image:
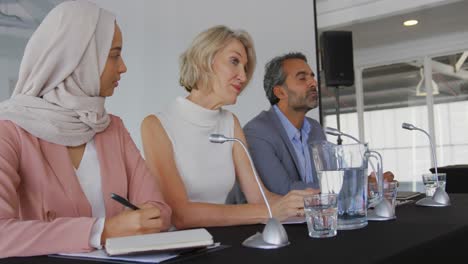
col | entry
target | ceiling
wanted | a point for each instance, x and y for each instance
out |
(398, 85)
(433, 20)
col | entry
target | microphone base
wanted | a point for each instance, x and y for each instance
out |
(256, 241)
(373, 216)
(383, 211)
(428, 201)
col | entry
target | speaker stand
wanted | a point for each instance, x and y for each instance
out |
(339, 141)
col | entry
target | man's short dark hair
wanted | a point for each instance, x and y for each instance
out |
(275, 75)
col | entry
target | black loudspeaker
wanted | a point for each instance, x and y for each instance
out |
(337, 58)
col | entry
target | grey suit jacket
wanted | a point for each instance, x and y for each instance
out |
(274, 156)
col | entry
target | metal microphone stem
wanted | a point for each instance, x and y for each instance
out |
(434, 158)
(338, 133)
(440, 198)
(274, 235)
(256, 176)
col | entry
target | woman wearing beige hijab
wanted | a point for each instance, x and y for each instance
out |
(61, 153)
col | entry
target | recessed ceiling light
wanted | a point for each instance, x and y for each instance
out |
(411, 22)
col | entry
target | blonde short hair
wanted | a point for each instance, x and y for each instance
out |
(196, 61)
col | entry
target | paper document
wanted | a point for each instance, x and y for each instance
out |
(101, 254)
(294, 220)
(179, 255)
(402, 195)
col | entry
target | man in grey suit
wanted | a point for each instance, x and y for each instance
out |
(278, 138)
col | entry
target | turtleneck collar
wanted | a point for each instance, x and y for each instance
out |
(195, 113)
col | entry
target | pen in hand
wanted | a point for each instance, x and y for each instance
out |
(124, 201)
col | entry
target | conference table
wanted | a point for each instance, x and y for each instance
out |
(418, 234)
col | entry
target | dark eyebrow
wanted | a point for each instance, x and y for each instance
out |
(304, 73)
(116, 48)
(301, 73)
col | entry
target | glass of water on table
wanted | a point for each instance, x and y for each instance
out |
(431, 181)
(321, 212)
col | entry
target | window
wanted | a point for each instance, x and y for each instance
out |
(396, 93)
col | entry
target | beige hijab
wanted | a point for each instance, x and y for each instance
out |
(57, 94)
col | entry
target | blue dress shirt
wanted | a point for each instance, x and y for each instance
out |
(298, 139)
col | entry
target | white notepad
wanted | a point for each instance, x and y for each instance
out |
(159, 242)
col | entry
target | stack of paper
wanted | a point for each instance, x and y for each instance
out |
(102, 255)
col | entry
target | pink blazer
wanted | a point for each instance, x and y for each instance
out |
(43, 209)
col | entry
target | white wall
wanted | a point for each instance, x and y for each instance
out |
(157, 32)
(8, 72)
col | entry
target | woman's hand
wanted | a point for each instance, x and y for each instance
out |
(136, 222)
(291, 205)
(388, 177)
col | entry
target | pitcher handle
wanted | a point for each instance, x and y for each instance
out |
(380, 180)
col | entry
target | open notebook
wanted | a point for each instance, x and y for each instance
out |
(166, 241)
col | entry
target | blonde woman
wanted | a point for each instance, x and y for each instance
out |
(195, 174)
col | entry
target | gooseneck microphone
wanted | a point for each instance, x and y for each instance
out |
(434, 159)
(336, 132)
(274, 235)
(217, 138)
(440, 197)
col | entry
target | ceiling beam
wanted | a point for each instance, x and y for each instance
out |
(449, 70)
(461, 61)
(446, 69)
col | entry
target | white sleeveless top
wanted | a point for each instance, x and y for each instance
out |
(206, 168)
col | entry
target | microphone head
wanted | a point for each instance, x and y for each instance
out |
(407, 126)
(332, 131)
(217, 138)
